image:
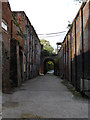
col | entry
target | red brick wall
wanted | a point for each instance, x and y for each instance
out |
(22, 20)
(6, 36)
(86, 38)
(15, 74)
(73, 54)
(0, 15)
(61, 62)
(69, 58)
(79, 55)
(0, 46)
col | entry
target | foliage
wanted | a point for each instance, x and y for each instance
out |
(50, 65)
(71, 89)
(46, 51)
(20, 33)
(56, 60)
(47, 48)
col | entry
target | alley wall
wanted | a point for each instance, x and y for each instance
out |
(21, 48)
(74, 54)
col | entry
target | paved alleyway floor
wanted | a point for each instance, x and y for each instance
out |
(44, 97)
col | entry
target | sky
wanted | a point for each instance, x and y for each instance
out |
(48, 16)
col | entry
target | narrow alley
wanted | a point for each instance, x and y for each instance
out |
(38, 78)
(44, 97)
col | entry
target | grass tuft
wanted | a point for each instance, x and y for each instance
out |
(71, 89)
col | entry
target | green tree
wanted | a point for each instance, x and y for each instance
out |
(50, 65)
(47, 50)
(56, 60)
(46, 46)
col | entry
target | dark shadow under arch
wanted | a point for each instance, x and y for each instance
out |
(44, 64)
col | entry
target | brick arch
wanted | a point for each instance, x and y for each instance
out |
(47, 58)
(44, 64)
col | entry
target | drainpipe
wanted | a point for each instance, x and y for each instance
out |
(75, 57)
(11, 29)
(26, 51)
(82, 48)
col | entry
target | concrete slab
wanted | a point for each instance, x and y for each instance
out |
(44, 97)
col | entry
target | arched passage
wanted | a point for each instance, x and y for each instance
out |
(45, 65)
(43, 62)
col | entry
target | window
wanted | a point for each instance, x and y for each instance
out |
(4, 25)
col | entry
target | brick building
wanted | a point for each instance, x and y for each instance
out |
(74, 54)
(17, 52)
(32, 45)
(6, 36)
(0, 47)
(36, 52)
(21, 48)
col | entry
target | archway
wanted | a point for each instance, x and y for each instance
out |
(45, 69)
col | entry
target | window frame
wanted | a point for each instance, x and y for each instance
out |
(4, 25)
